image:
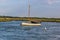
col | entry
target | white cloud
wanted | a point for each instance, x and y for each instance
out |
(50, 1)
(53, 1)
(2, 1)
(3, 11)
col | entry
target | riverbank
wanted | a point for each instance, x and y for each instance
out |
(8, 18)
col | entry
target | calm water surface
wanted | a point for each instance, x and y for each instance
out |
(14, 31)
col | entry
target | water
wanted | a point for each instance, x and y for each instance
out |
(14, 31)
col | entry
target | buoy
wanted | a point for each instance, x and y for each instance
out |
(45, 28)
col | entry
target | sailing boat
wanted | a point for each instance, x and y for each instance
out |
(30, 23)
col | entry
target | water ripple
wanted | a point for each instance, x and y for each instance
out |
(14, 31)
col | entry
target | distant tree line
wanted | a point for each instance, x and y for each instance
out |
(43, 19)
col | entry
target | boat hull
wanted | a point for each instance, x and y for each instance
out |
(31, 24)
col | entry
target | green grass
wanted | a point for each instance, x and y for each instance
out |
(25, 19)
(8, 18)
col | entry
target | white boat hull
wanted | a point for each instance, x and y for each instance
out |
(31, 24)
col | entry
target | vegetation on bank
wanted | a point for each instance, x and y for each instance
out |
(9, 18)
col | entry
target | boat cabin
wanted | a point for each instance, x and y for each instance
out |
(35, 22)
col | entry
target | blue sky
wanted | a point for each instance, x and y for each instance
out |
(39, 8)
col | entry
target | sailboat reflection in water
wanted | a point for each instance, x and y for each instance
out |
(30, 23)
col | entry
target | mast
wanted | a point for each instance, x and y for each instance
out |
(28, 8)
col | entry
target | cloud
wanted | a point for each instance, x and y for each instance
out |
(53, 1)
(49, 2)
(2, 1)
(2, 11)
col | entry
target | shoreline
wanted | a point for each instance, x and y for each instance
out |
(5, 19)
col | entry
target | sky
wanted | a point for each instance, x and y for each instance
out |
(39, 8)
